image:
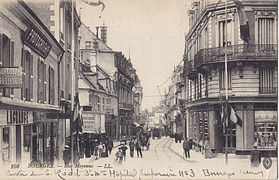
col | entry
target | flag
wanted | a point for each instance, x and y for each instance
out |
(234, 117)
(243, 21)
(95, 3)
(77, 117)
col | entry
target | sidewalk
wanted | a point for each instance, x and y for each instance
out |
(177, 148)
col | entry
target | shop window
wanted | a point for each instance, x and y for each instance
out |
(266, 80)
(6, 145)
(266, 134)
(6, 59)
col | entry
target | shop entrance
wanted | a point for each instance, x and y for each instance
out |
(231, 130)
(18, 143)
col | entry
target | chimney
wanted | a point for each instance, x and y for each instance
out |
(97, 32)
(104, 34)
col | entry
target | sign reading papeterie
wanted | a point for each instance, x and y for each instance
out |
(10, 77)
(37, 41)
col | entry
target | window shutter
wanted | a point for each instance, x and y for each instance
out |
(39, 81)
(31, 78)
(23, 74)
(1, 57)
(44, 82)
(12, 61)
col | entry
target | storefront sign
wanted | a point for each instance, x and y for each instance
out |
(88, 123)
(265, 116)
(37, 41)
(10, 77)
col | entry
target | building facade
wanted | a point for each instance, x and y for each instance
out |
(252, 75)
(57, 17)
(99, 58)
(125, 85)
(29, 93)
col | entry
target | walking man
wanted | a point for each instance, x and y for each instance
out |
(132, 147)
(186, 148)
(138, 148)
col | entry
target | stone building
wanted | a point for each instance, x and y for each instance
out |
(252, 75)
(29, 87)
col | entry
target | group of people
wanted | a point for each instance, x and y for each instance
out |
(134, 144)
(88, 147)
(188, 144)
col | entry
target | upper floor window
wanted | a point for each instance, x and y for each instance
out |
(51, 93)
(222, 80)
(27, 69)
(266, 80)
(61, 22)
(6, 59)
(223, 34)
(266, 33)
(87, 45)
(41, 81)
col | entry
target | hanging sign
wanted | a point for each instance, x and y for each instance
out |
(10, 77)
(37, 41)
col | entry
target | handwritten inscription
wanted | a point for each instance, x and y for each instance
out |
(110, 172)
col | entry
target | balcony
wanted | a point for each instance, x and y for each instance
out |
(190, 70)
(241, 52)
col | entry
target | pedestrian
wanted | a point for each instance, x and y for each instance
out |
(207, 149)
(66, 155)
(100, 149)
(88, 148)
(110, 145)
(123, 149)
(255, 157)
(138, 148)
(132, 147)
(118, 156)
(95, 145)
(186, 148)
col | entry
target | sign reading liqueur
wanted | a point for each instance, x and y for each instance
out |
(10, 77)
(37, 41)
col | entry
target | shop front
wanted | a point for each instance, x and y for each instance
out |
(266, 131)
(15, 133)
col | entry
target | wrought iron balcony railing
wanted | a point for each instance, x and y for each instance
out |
(236, 53)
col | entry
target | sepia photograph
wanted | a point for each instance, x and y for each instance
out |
(138, 89)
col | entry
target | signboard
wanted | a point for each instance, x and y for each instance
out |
(88, 123)
(10, 77)
(265, 116)
(37, 41)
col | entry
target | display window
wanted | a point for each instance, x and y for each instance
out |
(266, 129)
(6, 145)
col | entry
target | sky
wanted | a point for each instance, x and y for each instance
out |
(153, 31)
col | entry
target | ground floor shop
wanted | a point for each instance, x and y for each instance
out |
(259, 124)
(125, 122)
(28, 136)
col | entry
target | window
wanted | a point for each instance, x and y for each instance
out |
(222, 33)
(27, 68)
(41, 81)
(99, 103)
(6, 59)
(103, 104)
(266, 33)
(61, 22)
(222, 80)
(51, 97)
(266, 81)
(87, 45)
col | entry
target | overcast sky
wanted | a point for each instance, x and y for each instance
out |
(153, 30)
